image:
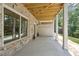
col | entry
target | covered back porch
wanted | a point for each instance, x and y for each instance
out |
(34, 30)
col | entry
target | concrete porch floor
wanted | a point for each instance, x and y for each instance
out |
(42, 46)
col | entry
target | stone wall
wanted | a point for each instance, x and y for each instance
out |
(11, 47)
(1, 26)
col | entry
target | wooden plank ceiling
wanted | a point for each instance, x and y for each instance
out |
(44, 11)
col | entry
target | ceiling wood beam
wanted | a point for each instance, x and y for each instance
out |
(43, 18)
(48, 13)
(44, 11)
(46, 22)
(36, 5)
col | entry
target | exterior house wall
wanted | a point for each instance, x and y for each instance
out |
(11, 47)
(45, 29)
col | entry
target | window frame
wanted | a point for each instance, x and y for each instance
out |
(24, 20)
(20, 15)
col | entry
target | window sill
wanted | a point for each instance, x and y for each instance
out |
(14, 41)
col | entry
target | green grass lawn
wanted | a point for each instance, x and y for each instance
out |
(73, 39)
(76, 40)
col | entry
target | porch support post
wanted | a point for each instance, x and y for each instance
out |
(53, 29)
(56, 27)
(65, 37)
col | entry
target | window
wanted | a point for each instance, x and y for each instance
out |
(8, 28)
(17, 28)
(24, 25)
(11, 26)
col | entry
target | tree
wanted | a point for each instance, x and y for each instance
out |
(74, 22)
